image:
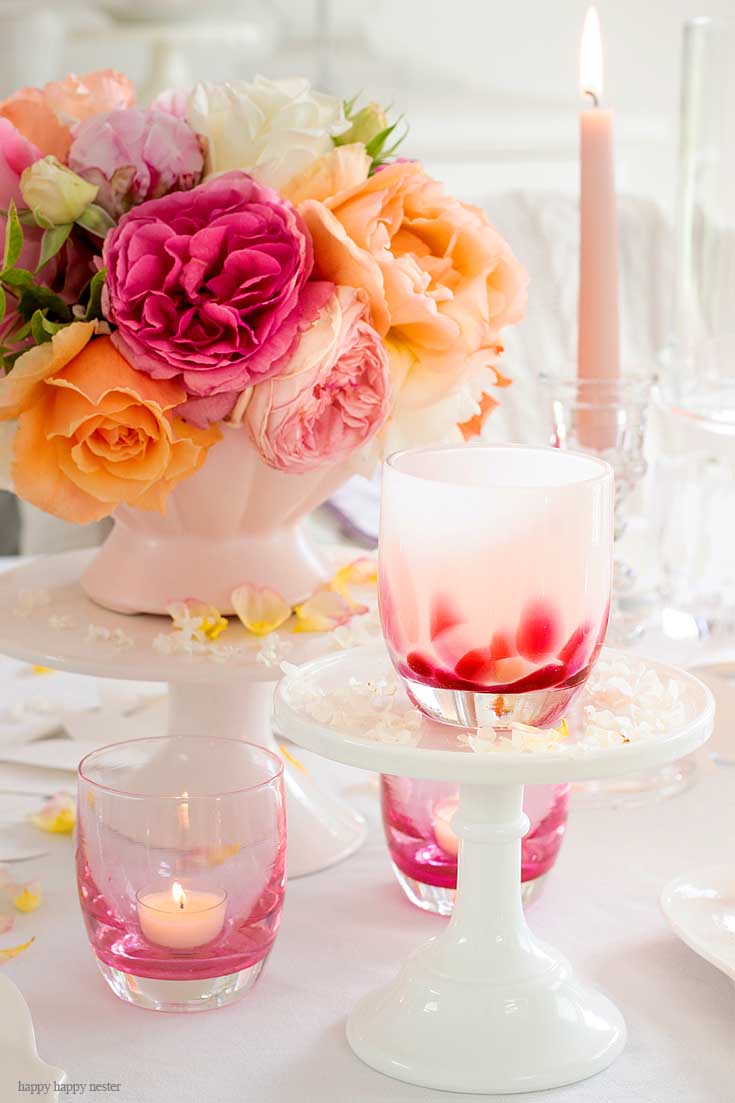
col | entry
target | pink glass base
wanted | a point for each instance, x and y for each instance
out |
(423, 848)
(163, 978)
(440, 901)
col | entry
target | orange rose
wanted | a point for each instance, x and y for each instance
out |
(93, 433)
(441, 280)
(46, 115)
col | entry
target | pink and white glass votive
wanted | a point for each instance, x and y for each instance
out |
(417, 820)
(181, 867)
(495, 578)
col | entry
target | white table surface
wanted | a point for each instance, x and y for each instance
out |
(345, 930)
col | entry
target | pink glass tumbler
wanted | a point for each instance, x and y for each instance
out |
(181, 867)
(495, 577)
(417, 819)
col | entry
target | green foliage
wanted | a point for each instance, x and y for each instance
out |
(41, 313)
(370, 125)
(52, 241)
(13, 238)
(94, 300)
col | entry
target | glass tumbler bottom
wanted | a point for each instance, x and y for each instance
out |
(472, 709)
(181, 995)
(440, 901)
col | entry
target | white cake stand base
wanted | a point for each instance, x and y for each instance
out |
(485, 1006)
(47, 619)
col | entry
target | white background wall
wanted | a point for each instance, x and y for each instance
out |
(484, 82)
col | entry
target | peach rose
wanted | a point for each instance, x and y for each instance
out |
(45, 116)
(334, 172)
(93, 433)
(441, 281)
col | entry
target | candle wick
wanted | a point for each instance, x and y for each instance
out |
(593, 96)
(181, 903)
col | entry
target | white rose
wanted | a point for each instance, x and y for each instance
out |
(438, 422)
(272, 129)
(7, 435)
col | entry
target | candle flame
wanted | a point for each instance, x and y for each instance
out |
(178, 894)
(184, 811)
(590, 57)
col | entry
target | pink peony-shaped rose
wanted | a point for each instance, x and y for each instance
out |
(133, 156)
(333, 396)
(209, 285)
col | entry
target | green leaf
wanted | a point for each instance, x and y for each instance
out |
(374, 147)
(25, 217)
(13, 238)
(349, 105)
(52, 328)
(377, 147)
(3, 304)
(52, 241)
(94, 303)
(17, 277)
(41, 329)
(96, 220)
(19, 334)
(40, 298)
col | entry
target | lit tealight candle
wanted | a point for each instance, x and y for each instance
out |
(443, 815)
(181, 919)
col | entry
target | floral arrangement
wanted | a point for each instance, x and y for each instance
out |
(251, 253)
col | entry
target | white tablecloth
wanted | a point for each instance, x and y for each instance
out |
(344, 932)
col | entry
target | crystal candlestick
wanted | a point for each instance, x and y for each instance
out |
(181, 867)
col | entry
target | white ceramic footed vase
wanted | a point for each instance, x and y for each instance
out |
(236, 520)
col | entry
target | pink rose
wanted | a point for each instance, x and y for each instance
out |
(209, 285)
(333, 396)
(134, 156)
(46, 115)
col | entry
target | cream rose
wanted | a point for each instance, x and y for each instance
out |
(54, 193)
(272, 129)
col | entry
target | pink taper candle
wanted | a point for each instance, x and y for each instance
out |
(599, 335)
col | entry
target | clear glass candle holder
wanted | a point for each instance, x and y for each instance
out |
(495, 568)
(607, 418)
(417, 820)
(181, 867)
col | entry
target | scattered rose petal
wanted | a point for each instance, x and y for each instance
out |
(323, 611)
(360, 572)
(291, 758)
(260, 609)
(7, 919)
(13, 951)
(29, 898)
(58, 815)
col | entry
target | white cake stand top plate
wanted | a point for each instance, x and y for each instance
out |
(633, 714)
(700, 908)
(47, 619)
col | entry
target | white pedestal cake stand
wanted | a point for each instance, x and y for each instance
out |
(45, 618)
(485, 1006)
